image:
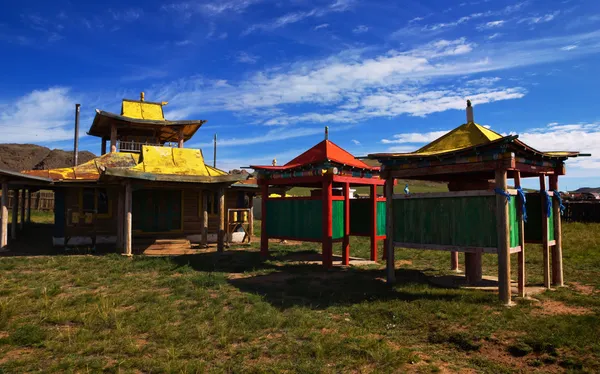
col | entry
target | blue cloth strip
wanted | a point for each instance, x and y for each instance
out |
(560, 203)
(523, 201)
(500, 191)
(548, 204)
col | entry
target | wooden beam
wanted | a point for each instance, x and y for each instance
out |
(128, 220)
(485, 166)
(545, 239)
(452, 248)
(454, 260)
(4, 216)
(103, 146)
(264, 235)
(473, 267)
(557, 263)
(503, 231)
(389, 232)
(346, 242)
(180, 138)
(28, 206)
(22, 207)
(204, 218)
(221, 232)
(15, 215)
(113, 137)
(250, 217)
(521, 256)
(327, 243)
(121, 219)
(373, 221)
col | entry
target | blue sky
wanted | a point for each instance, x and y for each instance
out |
(269, 75)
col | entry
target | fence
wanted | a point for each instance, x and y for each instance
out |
(582, 211)
(41, 200)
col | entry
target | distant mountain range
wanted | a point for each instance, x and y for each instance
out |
(19, 157)
(587, 189)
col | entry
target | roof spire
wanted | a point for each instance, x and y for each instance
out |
(326, 132)
(469, 112)
(142, 96)
(274, 162)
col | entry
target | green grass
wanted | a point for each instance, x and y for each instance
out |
(37, 216)
(236, 313)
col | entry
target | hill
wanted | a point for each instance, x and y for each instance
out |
(18, 157)
(587, 189)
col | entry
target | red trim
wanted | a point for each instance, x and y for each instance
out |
(381, 199)
(358, 181)
(327, 223)
(373, 221)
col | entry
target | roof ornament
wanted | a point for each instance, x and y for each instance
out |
(469, 112)
(326, 132)
(142, 96)
(274, 162)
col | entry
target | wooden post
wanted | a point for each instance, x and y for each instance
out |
(473, 267)
(346, 243)
(521, 255)
(221, 233)
(4, 208)
(264, 236)
(180, 138)
(204, 218)
(389, 231)
(545, 239)
(557, 265)
(121, 219)
(503, 239)
(250, 217)
(113, 138)
(103, 146)
(28, 206)
(373, 220)
(15, 215)
(22, 206)
(327, 243)
(454, 261)
(128, 219)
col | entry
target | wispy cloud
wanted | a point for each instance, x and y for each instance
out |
(360, 29)
(539, 19)
(485, 81)
(294, 17)
(246, 58)
(126, 15)
(321, 26)
(494, 36)
(187, 9)
(569, 47)
(491, 25)
(356, 142)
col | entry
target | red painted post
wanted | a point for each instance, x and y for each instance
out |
(264, 238)
(346, 243)
(373, 222)
(327, 223)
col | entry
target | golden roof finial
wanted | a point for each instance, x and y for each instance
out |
(142, 96)
(274, 162)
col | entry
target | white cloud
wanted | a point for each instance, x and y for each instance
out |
(360, 29)
(569, 47)
(415, 137)
(539, 19)
(294, 17)
(40, 116)
(126, 15)
(491, 25)
(247, 58)
(321, 26)
(183, 43)
(209, 9)
(356, 142)
(485, 81)
(494, 36)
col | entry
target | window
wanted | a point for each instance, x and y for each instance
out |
(95, 200)
(212, 200)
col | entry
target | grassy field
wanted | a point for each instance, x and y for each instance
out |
(235, 313)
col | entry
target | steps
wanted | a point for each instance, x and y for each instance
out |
(161, 245)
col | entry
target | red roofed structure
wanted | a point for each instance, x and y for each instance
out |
(324, 216)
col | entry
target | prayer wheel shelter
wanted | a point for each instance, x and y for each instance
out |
(329, 215)
(480, 214)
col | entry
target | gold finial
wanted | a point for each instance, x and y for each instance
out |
(326, 132)
(274, 162)
(142, 96)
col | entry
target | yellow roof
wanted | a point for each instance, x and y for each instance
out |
(175, 161)
(142, 110)
(465, 136)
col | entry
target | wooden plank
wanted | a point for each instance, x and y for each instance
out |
(373, 221)
(15, 215)
(221, 232)
(521, 256)
(486, 166)
(251, 217)
(557, 263)
(346, 242)
(545, 234)
(4, 217)
(113, 137)
(450, 194)
(264, 236)
(327, 223)
(502, 222)
(389, 232)
(128, 220)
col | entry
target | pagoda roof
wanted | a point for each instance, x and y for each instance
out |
(325, 151)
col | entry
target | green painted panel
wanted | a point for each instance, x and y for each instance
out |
(360, 217)
(513, 222)
(337, 222)
(302, 219)
(533, 226)
(156, 210)
(460, 221)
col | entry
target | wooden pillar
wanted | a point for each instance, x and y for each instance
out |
(557, 265)
(346, 243)
(264, 236)
(221, 232)
(454, 261)
(503, 239)
(28, 206)
(521, 256)
(180, 138)
(373, 221)
(4, 211)
(128, 219)
(545, 239)
(327, 243)
(15, 215)
(113, 138)
(473, 267)
(204, 218)
(121, 219)
(103, 146)
(22, 207)
(250, 217)
(389, 231)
